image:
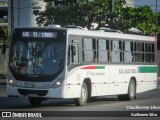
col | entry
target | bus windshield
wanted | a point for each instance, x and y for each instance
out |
(37, 57)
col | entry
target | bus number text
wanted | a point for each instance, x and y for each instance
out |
(25, 34)
(127, 71)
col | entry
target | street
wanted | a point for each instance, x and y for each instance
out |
(147, 101)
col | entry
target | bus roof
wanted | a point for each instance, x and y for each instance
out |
(110, 35)
(98, 34)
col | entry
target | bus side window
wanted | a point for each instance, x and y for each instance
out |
(149, 52)
(88, 52)
(103, 48)
(115, 51)
(127, 52)
(139, 52)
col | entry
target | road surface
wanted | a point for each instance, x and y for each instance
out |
(147, 101)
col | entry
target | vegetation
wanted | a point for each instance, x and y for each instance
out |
(7, 35)
(84, 13)
(5, 43)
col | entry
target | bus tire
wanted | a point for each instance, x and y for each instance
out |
(131, 92)
(83, 97)
(35, 101)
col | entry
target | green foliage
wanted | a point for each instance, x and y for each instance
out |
(84, 13)
(141, 17)
(6, 32)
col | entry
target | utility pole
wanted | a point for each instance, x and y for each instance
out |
(111, 10)
(156, 6)
(156, 37)
(12, 16)
(111, 6)
(156, 25)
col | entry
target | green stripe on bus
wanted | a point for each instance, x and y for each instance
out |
(100, 67)
(148, 69)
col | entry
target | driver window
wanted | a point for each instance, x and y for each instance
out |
(74, 54)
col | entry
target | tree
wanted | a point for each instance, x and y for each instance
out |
(84, 13)
(7, 35)
(5, 44)
(142, 18)
(6, 40)
(145, 20)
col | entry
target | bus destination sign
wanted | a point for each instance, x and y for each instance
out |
(40, 34)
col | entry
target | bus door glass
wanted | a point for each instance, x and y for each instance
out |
(73, 54)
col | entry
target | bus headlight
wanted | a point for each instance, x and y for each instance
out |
(58, 83)
(11, 82)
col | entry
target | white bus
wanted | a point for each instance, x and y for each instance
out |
(79, 64)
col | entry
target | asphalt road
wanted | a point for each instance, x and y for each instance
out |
(147, 101)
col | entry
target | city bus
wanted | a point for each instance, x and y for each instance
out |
(67, 63)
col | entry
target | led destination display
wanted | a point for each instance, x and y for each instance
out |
(39, 34)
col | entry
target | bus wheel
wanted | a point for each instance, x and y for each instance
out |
(131, 92)
(84, 96)
(35, 101)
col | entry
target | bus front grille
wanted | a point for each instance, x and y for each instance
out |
(36, 92)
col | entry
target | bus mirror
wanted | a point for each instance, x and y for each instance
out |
(4, 49)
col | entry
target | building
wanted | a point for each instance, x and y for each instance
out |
(130, 3)
(3, 17)
(20, 13)
(3, 11)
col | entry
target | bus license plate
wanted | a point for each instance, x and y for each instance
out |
(32, 95)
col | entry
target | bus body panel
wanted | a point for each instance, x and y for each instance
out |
(73, 83)
(113, 80)
(106, 78)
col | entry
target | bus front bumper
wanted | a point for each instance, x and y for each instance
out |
(13, 91)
